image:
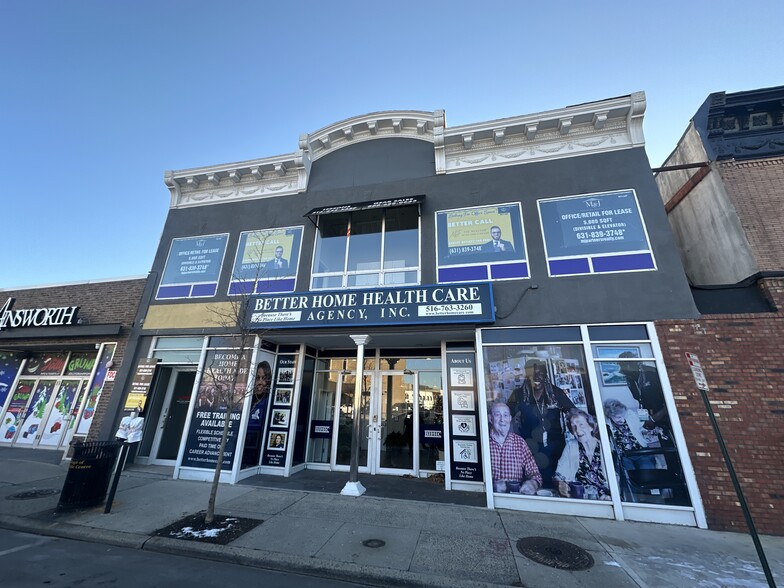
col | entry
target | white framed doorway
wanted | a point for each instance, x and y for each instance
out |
(174, 413)
(401, 412)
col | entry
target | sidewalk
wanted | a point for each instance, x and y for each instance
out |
(426, 543)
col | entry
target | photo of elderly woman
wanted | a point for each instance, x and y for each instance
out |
(580, 472)
(627, 436)
(644, 452)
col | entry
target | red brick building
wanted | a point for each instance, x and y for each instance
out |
(723, 189)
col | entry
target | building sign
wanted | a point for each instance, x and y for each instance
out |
(193, 267)
(417, 305)
(597, 233)
(320, 429)
(36, 317)
(481, 243)
(266, 261)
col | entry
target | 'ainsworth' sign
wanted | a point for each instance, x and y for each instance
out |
(36, 317)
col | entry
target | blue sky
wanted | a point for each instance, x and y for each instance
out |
(98, 98)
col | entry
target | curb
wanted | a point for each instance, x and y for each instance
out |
(282, 562)
(68, 531)
(269, 560)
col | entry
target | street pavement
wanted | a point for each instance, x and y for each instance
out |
(425, 543)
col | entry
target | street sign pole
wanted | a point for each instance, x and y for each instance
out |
(702, 386)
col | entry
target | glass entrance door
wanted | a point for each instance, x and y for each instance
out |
(32, 424)
(411, 411)
(395, 442)
(62, 412)
(170, 426)
(344, 425)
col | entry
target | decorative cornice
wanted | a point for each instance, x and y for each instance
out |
(259, 178)
(409, 124)
(743, 125)
(595, 127)
(585, 129)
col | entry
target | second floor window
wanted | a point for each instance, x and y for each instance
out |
(366, 248)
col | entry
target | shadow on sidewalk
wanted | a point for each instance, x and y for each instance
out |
(419, 489)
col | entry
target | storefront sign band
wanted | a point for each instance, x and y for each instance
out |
(419, 305)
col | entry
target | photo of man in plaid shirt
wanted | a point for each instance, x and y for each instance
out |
(513, 466)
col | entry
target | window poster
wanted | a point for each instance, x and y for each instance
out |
(193, 267)
(266, 261)
(481, 243)
(31, 427)
(60, 414)
(12, 419)
(276, 445)
(596, 233)
(638, 422)
(213, 399)
(10, 362)
(466, 460)
(94, 392)
(544, 435)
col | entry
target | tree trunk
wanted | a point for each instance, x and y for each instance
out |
(210, 516)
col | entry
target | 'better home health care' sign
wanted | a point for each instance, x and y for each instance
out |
(464, 303)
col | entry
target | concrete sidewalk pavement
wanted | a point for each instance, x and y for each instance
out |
(425, 543)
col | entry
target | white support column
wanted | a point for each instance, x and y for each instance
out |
(354, 487)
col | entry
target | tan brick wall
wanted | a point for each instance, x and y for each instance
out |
(756, 189)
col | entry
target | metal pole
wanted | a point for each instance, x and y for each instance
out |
(353, 487)
(117, 472)
(738, 491)
(354, 469)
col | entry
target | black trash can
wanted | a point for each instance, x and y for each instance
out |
(89, 474)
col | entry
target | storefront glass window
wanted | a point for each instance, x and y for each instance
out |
(541, 410)
(45, 364)
(638, 422)
(183, 350)
(401, 239)
(364, 252)
(320, 447)
(12, 420)
(10, 363)
(544, 438)
(80, 364)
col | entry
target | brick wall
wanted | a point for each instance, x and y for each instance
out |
(757, 191)
(741, 355)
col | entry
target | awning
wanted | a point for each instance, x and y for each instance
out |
(388, 203)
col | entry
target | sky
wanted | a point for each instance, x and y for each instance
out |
(98, 98)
